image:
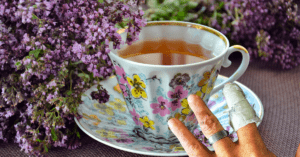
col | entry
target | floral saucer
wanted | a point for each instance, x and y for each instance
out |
(112, 124)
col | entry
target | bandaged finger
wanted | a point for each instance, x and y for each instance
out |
(241, 113)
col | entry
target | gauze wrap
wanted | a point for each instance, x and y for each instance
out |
(240, 111)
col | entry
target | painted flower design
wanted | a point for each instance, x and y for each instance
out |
(191, 119)
(121, 122)
(124, 91)
(124, 140)
(176, 147)
(135, 117)
(118, 104)
(120, 132)
(178, 94)
(104, 109)
(161, 107)
(138, 87)
(199, 93)
(147, 123)
(120, 71)
(148, 148)
(179, 79)
(186, 107)
(205, 79)
(92, 117)
(180, 116)
(200, 136)
(106, 133)
(118, 88)
(175, 104)
(211, 103)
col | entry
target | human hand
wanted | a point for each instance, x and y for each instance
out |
(250, 142)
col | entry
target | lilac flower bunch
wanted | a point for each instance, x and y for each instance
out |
(269, 29)
(51, 52)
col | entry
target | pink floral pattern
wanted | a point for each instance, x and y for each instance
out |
(161, 107)
(179, 93)
(123, 88)
(120, 71)
(136, 117)
(175, 104)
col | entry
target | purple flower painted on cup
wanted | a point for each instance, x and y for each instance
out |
(161, 107)
(123, 88)
(175, 104)
(210, 103)
(136, 117)
(179, 93)
(120, 71)
(124, 140)
(200, 136)
(120, 132)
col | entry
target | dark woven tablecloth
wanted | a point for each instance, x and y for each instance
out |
(278, 90)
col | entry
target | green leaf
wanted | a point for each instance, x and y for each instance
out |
(53, 134)
(46, 149)
(35, 52)
(100, 1)
(34, 17)
(75, 63)
(28, 66)
(181, 14)
(83, 75)
(69, 92)
(18, 63)
(78, 135)
(38, 140)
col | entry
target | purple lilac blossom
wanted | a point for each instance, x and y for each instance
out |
(51, 52)
(269, 29)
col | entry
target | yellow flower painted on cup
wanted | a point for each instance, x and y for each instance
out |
(180, 116)
(147, 123)
(138, 87)
(121, 122)
(106, 133)
(199, 93)
(92, 117)
(186, 107)
(176, 147)
(118, 104)
(104, 108)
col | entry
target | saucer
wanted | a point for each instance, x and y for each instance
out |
(111, 123)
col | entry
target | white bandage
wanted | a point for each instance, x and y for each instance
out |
(240, 111)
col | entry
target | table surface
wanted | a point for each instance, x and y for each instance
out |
(279, 91)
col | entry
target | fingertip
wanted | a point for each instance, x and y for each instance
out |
(171, 121)
(192, 98)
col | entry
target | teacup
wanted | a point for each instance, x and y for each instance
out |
(156, 93)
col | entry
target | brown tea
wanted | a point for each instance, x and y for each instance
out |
(165, 52)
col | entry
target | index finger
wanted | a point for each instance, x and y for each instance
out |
(188, 141)
(209, 124)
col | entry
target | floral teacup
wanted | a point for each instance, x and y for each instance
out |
(156, 93)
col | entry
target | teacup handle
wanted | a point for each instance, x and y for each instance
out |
(240, 71)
